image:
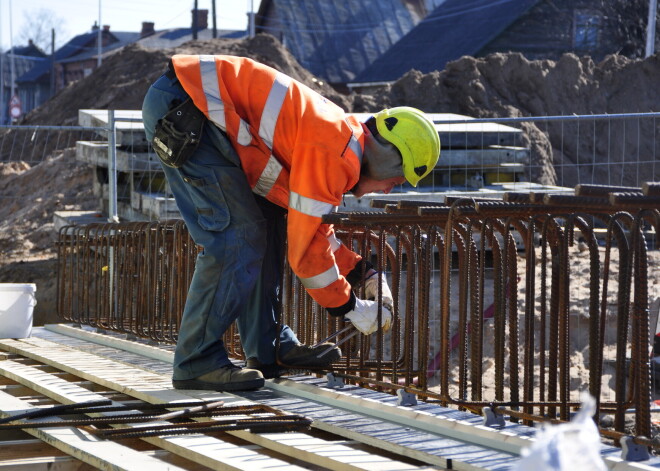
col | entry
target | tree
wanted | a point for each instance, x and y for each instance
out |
(38, 27)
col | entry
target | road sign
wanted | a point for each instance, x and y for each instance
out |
(15, 110)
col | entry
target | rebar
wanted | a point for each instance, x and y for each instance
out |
(471, 278)
(258, 418)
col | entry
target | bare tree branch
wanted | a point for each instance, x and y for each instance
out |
(38, 26)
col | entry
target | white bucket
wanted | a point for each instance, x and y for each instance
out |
(17, 301)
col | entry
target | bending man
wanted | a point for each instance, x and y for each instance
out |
(243, 146)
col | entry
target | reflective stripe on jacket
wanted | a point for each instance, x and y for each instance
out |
(297, 149)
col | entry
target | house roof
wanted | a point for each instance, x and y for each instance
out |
(123, 39)
(337, 39)
(454, 29)
(78, 49)
(22, 65)
(31, 50)
(176, 36)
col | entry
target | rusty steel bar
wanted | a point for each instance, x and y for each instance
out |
(601, 190)
(489, 303)
(256, 425)
(651, 188)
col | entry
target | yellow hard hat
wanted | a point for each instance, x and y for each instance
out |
(416, 138)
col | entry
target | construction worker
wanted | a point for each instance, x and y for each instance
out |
(242, 146)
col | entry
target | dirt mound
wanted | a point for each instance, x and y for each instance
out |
(124, 77)
(27, 233)
(26, 217)
(508, 85)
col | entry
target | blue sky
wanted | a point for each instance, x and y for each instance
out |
(78, 16)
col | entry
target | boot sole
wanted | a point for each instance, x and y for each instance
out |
(269, 371)
(207, 386)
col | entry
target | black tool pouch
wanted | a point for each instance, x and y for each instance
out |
(177, 134)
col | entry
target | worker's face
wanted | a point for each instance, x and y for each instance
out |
(369, 185)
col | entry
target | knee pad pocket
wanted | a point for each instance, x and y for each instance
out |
(209, 200)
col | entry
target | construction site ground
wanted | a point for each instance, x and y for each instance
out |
(352, 427)
(496, 85)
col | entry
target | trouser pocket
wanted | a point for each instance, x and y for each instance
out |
(209, 201)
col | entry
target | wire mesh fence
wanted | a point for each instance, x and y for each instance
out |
(478, 155)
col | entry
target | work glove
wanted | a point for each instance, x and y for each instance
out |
(364, 317)
(371, 289)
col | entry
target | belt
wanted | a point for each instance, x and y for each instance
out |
(169, 72)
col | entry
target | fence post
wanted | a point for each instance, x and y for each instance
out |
(112, 168)
(113, 216)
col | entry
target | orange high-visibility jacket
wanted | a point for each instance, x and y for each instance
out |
(297, 149)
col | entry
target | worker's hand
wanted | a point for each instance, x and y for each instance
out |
(371, 289)
(364, 317)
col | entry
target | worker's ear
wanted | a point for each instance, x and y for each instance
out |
(381, 159)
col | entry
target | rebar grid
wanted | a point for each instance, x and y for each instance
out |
(484, 305)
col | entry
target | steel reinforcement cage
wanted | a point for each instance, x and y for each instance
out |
(517, 305)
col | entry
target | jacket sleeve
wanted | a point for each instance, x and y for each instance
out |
(317, 183)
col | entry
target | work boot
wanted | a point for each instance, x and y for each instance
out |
(304, 356)
(300, 356)
(270, 370)
(225, 378)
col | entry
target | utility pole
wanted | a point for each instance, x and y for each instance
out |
(2, 77)
(99, 39)
(650, 28)
(11, 52)
(194, 21)
(215, 26)
(251, 20)
(52, 62)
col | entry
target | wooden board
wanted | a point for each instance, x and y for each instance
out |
(488, 158)
(36, 455)
(434, 450)
(403, 440)
(492, 438)
(82, 445)
(295, 445)
(350, 412)
(201, 449)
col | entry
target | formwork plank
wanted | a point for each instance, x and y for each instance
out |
(434, 450)
(352, 421)
(84, 446)
(201, 449)
(35, 455)
(127, 133)
(298, 446)
(403, 440)
(501, 440)
(96, 153)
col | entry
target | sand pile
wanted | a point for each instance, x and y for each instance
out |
(508, 85)
(124, 77)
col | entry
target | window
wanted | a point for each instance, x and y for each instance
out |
(586, 32)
